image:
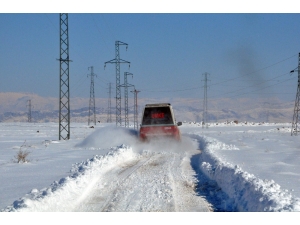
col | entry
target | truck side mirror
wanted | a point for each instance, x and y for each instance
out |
(179, 123)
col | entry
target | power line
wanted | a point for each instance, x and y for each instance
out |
(92, 108)
(247, 74)
(221, 82)
(104, 80)
(295, 128)
(254, 85)
(249, 92)
(52, 24)
(135, 115)
(29, 111)
(243, 88)
(57, 30)
(118, 61)
(126, 86)
(204, 122)
(64, 94)
(79, 83)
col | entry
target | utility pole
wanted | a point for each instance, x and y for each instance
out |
(126, 85)
(118, 61)
(92, 109)
(135, 117)
(295, 128)
(204, 122)
(29, 111)
(109, 104)
(64, 94)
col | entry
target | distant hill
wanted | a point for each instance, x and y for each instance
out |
(14, 108)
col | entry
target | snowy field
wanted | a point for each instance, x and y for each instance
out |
(225, 167)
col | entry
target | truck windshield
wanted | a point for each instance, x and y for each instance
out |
(157, 115)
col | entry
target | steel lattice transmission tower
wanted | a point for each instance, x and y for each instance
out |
(126, 86)
(29, 111)
(64, 94)
(92, 108)
(295, 128)
(135, 116)
(109, 104)
(204, 122)
(118, 61)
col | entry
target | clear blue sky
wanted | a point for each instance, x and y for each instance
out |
(245, 54)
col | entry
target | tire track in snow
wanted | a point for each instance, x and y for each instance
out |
(125, 175)
(184, 189)
(105, 189)
(160, 181)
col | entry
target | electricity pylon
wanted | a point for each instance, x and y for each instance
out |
(118, 61)
(64, 94)
(109, 104)
(126, 86)
(135, 115)
(295, 122)
(29, 111)
(204, 122)
(92, 109)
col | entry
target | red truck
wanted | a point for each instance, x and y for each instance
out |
(158, 121)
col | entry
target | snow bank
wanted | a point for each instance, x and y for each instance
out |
(84, 176)
(247, 192)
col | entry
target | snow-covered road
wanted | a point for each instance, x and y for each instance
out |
(143, 177)
(146, 182)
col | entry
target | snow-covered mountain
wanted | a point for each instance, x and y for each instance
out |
(14, 108)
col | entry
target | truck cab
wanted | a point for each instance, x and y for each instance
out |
(158, 121)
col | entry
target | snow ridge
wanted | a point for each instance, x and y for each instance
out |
(84, 176)
(247, 192)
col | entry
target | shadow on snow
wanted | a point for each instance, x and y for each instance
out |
(207, 188)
